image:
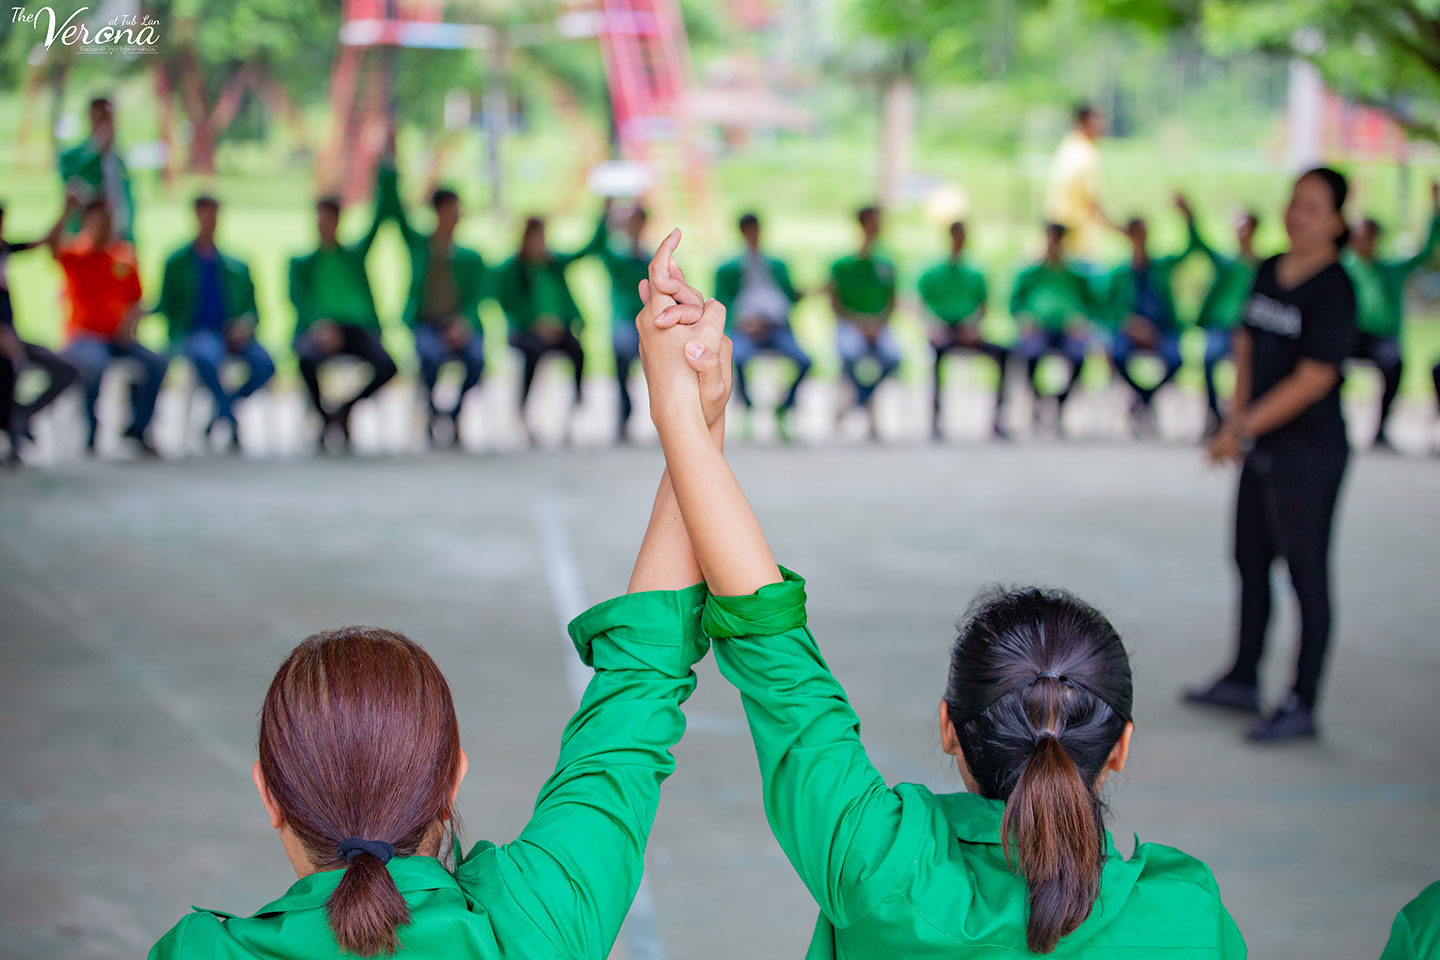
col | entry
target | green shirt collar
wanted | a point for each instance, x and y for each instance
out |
(411, 875)
(976, 819)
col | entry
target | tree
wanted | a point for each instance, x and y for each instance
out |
(1384, 53)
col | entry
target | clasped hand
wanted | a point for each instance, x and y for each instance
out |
(683, 348)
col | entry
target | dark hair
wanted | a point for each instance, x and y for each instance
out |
(957, 226)
(205, 200)
(91, 206)
(376, 708)
(1056, 230)
(749, 221)
(328, 203)
(443, 195)
(639, 210)
(1083, 112)
(1339, 190)
(1373, 225)
(864, 212)
(1039, 693)
(101, 102)
(1250, 215)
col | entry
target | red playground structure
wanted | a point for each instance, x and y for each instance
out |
(642, 42)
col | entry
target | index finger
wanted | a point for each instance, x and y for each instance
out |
(664, 255)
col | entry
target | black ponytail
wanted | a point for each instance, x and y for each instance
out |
(1039, 693)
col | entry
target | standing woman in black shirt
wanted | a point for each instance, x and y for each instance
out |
(1286, 430)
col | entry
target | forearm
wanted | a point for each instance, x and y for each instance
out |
(1240, 347)
(1287, 399)
(724, 533)
(666, 560)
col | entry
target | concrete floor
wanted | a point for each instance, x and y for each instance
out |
(143, 607)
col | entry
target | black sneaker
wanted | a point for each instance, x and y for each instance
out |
(1382, 443)
(1293, 721)
(1225, 695)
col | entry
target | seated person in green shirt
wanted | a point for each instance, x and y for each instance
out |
(371, 832)
(539, 307)
(1037, 712)
(1415, 935)
(626, 265)
(208, 300)
(1140, 300)
(447, 286)
(862, 293)
(955, 294)
(758, 295)
(335, 314)
(1220, 311)
(1380, 302)
(1052, 304)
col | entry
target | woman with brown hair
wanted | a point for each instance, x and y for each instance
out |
(360, 764)
(1036, 712)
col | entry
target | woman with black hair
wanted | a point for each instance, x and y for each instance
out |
(1286, 429)
(1036, 712)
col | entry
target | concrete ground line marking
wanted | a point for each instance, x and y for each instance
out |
(567, 593)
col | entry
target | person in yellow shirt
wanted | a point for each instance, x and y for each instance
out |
(1072, 198)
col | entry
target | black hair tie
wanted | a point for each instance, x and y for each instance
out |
(352, 847)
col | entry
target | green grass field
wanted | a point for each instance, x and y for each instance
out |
(805, 189)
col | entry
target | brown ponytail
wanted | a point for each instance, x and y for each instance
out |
(1053, 824)
(359, 746)
(366, 909)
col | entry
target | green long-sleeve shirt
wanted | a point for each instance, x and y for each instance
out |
(331, 283)
(180, 291)
(1234, 276)
(901, 872)
(562, 888)
(1052, 296)
(105, 175)
(1117, 291)
(1415, 934)
(528, 291)
(1380, 285)
(468, 272)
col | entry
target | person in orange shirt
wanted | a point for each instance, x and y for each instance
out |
(102, 284)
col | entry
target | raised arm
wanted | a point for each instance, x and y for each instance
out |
(595, 245)
(575, 867)
(828, 806)
(1422, 256)
(52, 237)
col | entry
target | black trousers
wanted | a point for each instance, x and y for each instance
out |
(1385, 353)
(994, 351)
(359, 342)
(15, 416)
(534, 347)
(1285, 508)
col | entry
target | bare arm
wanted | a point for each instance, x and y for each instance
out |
(1242, 347)
(52, 238)
(724, 533)
(1289, 398)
